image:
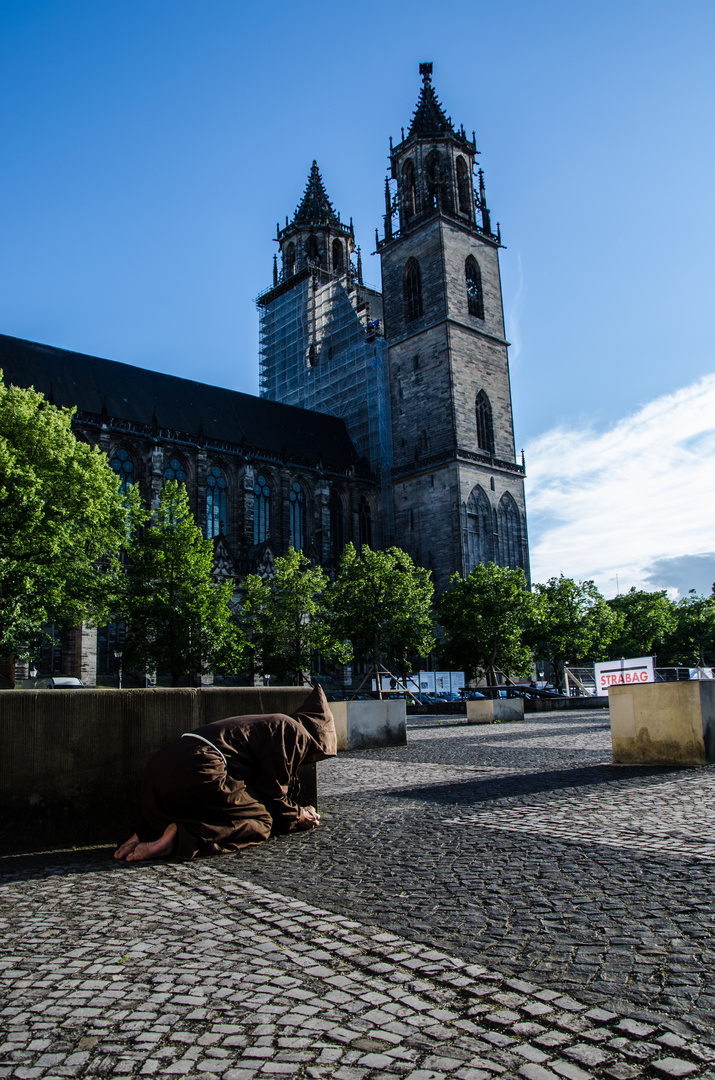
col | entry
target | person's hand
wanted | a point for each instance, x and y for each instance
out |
(309, 818)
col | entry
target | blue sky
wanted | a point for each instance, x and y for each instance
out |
(150, 147)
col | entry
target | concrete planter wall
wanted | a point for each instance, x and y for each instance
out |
(663, 723)
(70, 760)
(490, 711)
(362, 724)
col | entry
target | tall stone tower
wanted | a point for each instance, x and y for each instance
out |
(322, 340)
(458, 490)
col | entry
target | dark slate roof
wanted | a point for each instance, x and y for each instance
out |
(430, 117)
(315, 207)
(181, 405)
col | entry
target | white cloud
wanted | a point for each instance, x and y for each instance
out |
(630, 501)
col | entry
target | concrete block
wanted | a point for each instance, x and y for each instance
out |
(663, 723)
(491, 711)
(363, 724)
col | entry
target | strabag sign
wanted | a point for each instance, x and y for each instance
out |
(623, 673)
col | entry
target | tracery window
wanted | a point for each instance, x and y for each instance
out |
(337, 256)
(290, 259)
(337, 542)
(124, 468)
(261, 510)
(215, 502)
(480, 529)
(365, 521)
(473, 280)
(485, 426)
(296, 510)
(509, 529)
(437, 185)
(312, 249)
(463, 186)
(175, 471)
(409, 192)
(412, 288)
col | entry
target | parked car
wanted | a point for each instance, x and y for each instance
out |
(53, 682)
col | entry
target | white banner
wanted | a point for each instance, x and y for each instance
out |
(622, 673)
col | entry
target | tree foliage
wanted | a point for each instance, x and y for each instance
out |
(574, 623)
(60, 513)
(178, 619)
(486, 617)
(647, 620)
(287, 619)
(692, 641)
(382, 603)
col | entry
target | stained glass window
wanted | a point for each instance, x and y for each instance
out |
(261, 510)
(215, 502)
(509, 533)
(175, 471)
(124, 468)
(485, 428)
(475, 296)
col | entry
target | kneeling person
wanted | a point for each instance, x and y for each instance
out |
(230, 784)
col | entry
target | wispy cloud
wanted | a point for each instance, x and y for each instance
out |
(632, 501)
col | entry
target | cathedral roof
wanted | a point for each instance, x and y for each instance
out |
(430, 118)
(154, 401)
(315, 207)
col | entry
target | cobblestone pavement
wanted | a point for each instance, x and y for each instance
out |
(422, 932)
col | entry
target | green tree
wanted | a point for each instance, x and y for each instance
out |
(692, 641)
(60, 514)
(486, 617)
(383, 606)
(646, 621)
(575, 623)
(287, 620)
(178, 618)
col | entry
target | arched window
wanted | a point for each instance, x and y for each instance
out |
(480, 529)
(175, 471)
(337, 542)
(261, 510)
(297, 515)
(124, 468)
(365, 522)
(412, 287)
(312, 356)
(215, 502)
(475, 296)
(337, 256)
(509, 530)
(485, 427)
(409, 192)
(437, 185)
(463, 186)
(312, 249)
(290, 259)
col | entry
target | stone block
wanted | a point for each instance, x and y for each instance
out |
(497, 710)
(663, 723)
(364, 724)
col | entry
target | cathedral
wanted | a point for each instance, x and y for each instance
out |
(383, 418)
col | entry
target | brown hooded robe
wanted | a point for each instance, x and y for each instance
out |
(234, 782)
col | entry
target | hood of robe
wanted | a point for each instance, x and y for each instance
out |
(317, 719)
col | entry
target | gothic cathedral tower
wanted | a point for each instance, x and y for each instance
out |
(458, 490)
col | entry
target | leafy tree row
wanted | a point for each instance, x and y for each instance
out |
(63, 523)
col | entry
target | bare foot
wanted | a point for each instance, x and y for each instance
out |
(127, 847)
(155, 849)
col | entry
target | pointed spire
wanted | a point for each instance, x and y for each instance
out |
(359, 265)
(388, 211)
(430, 118)
(275, 269)
(486, 223)
(315, 207)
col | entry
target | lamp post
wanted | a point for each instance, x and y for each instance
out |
(118, 655)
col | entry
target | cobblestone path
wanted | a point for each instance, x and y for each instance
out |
(421, 933)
